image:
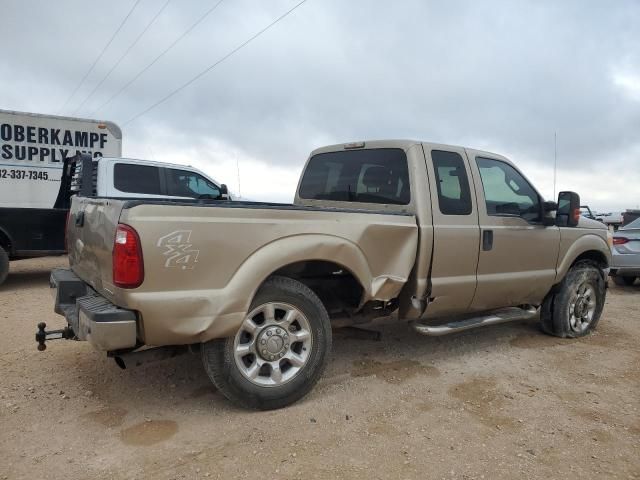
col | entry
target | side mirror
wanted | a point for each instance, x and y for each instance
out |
(224, 192)
(550, 206)
(568, 214)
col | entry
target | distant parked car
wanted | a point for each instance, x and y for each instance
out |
(611, 219)
(586, 212)
(625, 263)
(629, 216)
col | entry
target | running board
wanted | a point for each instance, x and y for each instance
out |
(503, 316)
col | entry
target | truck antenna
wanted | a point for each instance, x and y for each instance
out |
(555, 161)
(238, 169)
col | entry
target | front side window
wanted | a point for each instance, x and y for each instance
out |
(454, 197)
(141, 179)
(507, 192)
(367, 176)
(182, 183)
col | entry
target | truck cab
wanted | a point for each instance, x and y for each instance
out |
(127, 177)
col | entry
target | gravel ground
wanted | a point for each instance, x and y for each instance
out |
(500, 402)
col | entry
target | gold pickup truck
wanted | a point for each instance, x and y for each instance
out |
(445, 237)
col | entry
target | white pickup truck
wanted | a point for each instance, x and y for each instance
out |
(27, 231)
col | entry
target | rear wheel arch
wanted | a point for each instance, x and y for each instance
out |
(335, 284)
(280, 258)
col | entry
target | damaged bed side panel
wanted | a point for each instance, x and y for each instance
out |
(204, 265)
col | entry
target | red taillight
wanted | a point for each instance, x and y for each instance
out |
(128, 268)
(620, 240)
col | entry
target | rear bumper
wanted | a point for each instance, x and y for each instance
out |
(91, 316)
(625, 264)
(626, 272)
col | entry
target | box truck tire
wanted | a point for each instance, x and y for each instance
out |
(4, 265)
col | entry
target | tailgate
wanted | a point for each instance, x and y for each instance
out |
(90, 235)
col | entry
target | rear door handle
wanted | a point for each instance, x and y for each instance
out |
(80, 218)
(487, 240)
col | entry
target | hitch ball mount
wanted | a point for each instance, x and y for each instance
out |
(42, 335)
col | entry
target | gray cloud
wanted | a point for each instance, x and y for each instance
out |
(498, 75)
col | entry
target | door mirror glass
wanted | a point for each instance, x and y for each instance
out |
(568, 214)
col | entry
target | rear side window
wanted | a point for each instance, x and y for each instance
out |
(366, 176)
(454, 197)
(182, 183)
(132, 178)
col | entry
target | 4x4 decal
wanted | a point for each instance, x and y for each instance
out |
(178, 250)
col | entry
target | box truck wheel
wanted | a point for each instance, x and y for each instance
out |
(4, 265)
(279, 351)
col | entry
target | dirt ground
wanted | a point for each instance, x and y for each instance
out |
(500, 402)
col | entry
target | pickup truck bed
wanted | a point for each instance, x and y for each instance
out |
(210, 252)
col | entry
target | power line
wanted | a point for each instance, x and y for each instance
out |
(164, 52)
(133, 44)
(75, 90)
(213, 65)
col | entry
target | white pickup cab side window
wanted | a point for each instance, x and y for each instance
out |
(183, 183)
(134, 178)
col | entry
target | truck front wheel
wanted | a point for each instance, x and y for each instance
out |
(4, 265)
(279, 352)
(575, 308)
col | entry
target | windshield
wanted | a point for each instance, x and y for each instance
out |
(367, 176)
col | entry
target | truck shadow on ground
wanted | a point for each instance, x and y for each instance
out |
(399, 356)
(29, 280)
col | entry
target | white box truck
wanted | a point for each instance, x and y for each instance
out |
(40, 158)
(33, 148)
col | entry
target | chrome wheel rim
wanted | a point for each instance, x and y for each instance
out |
(582, 307)
(273, 344)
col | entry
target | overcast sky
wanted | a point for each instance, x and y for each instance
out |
(497, 75)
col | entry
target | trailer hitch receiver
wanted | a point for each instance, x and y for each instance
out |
(42, 335)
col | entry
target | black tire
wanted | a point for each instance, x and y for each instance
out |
(555, 313)
(546, 313)
(219, 360)
(623, 281)
(4, 265)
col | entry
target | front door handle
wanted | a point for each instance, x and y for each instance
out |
(487, 240)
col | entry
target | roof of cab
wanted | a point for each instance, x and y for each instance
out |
(404, 144)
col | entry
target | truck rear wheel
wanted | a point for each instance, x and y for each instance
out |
(4, 265)
(574, 310)
(279, 352)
